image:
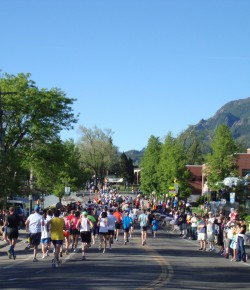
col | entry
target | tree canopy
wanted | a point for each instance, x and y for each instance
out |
(30, 118)
(222, 162)
(97, 151)
(149, 166)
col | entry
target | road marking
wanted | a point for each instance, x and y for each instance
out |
(167, 271)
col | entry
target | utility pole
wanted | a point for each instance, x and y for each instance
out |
(1, 123)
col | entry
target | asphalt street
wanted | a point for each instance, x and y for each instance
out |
(167, 261)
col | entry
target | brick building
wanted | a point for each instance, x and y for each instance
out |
(197, 181)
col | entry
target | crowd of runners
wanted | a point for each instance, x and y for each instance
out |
(103, 219)
(109, 217)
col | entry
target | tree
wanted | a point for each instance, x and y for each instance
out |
(126, 169)
(57, 165)
(222, 162)
(194, 145)
(97, 151)
(172, 166)
(149, 166)
(30, 117)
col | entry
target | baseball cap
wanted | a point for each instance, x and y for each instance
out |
(36, 208)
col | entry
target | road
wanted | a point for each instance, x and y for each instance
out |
(166, 262)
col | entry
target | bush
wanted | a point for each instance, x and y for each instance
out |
(201, 200)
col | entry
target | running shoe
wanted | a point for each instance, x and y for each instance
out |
(9, 254)
(83, 258)
(35, 260)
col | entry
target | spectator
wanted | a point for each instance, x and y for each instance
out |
(201, 229)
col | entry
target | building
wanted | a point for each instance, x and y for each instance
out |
(195, 181)
(198, 178)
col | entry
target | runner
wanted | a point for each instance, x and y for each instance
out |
(95, 229)
(57, 227)
(45, 236)
(34, 224)
(126, 223)
(11, 223)
(75, 231)
(103, 230)
(112, 220)
(84, 224)
(66, 234)
(143, 219)
(70, 218)
(133, 219)
(155, 226)
(118, 215)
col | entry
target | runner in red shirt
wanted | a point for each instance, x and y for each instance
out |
(118, 215)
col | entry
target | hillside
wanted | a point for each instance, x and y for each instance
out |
(236, 115)
(135, 156)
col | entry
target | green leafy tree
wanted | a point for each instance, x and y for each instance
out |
(30, 117)
(97, 151)
(172, 166)
(222, 162)
(126, 169)
(149, 166)
(194, 144)
(56, 165)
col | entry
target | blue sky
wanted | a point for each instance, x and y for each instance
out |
(137, 67)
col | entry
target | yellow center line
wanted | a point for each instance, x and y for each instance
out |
(167, 272)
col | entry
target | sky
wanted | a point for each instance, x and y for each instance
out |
(137, 67)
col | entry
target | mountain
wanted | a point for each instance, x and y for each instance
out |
(236, 115)
(135, 155)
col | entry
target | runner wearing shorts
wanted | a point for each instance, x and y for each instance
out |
(84, 224)
(57, 237)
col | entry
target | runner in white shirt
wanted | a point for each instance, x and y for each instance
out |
(112, 220)
(84, 223)
(103, 230)
(34, 224)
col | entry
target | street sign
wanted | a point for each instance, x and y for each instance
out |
(232, 197)
(67, 190)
